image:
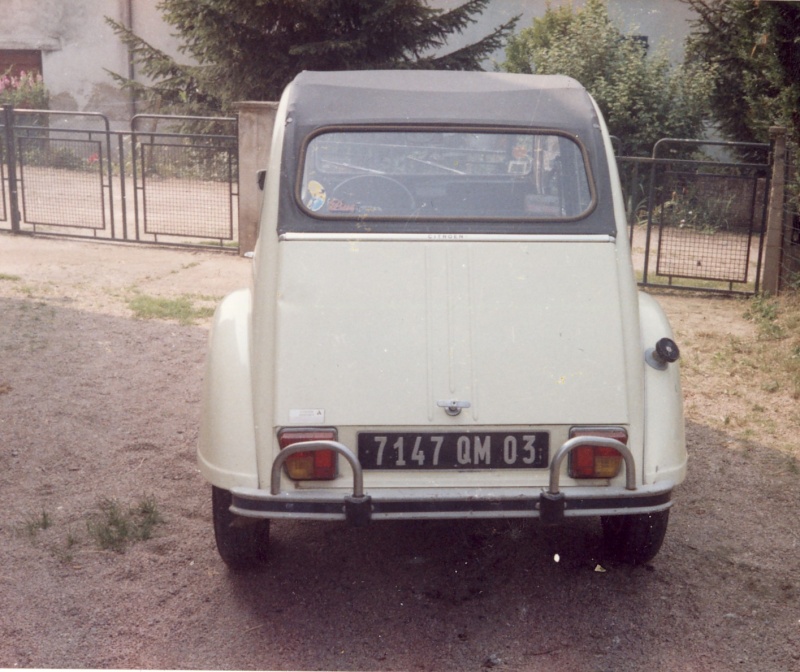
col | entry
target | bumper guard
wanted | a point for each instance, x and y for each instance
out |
(551, 506)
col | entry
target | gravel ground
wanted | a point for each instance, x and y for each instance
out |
(98, 408)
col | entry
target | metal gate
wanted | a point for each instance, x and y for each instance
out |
(168, 180)
(700, 219)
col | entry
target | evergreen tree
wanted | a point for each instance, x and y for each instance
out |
(643, 98)
(754, 51)
(251, 49)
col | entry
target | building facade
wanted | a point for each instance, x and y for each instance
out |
(72, 46)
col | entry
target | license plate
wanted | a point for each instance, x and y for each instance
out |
(454, 450)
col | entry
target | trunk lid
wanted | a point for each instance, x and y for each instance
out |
(376, 333)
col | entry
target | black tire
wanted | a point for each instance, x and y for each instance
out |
(635, 539)
(242, 542)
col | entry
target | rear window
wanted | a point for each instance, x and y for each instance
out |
(442, 175)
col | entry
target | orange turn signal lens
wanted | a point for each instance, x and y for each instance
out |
(589, 461)
(312, 465)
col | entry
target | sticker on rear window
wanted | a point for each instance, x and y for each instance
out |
(316, 196)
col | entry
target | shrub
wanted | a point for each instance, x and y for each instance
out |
(25, 91)
(643, 98)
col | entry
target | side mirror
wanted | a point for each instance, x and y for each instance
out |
(261, 177)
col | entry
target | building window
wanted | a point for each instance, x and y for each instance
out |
(14, 61)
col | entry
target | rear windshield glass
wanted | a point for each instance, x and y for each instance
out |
(468, 175)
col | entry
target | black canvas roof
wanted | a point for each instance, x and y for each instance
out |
(448, 98)
(427, 96)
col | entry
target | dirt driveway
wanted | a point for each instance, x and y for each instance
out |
(99, 414)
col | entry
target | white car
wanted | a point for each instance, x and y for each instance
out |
(443, 321)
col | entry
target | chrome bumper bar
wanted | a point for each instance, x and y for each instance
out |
(359, 508)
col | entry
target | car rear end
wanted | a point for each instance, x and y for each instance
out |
(453, 372)
(445, 322)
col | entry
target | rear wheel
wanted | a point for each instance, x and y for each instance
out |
(242, 542)
(635, 539)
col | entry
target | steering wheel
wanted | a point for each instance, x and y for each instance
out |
(385, 194)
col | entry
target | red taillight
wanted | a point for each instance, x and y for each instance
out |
(588, 461)
(312, 465)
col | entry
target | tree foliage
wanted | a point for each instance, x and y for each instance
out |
(251, 49)
(643, 98)
(754, 50)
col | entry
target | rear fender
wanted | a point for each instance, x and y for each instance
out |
(664, 440)
(226, 452)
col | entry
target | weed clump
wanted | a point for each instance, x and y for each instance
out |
(40, 521)
(764, 312)
(778, 322)
(181, 309)
(113, 527)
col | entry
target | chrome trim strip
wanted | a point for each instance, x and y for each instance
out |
(448, 237)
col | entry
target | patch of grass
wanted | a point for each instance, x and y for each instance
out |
(780, 324)
(748, 383)
(9, 278)
(764, 312)
(771, 386)
(147, 517)
(65, 553)
(655, 280)
(228, 245)
(185, 267)
(181, 309)
(113, 527)
(771, 360)
(39, 521)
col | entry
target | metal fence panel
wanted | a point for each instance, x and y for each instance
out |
(70, 175)
(175, 202)
(174, 180)
(701, 217)
(63, 173)
(62, 182)
(706, 229)
(185, 175)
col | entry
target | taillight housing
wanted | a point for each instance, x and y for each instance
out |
(311, 465)
(588, 461)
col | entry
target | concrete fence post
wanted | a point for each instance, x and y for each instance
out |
(256, 120)
(790, 264)
(774, 237)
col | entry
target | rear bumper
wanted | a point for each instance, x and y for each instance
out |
(550, 504)
(483, 503)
